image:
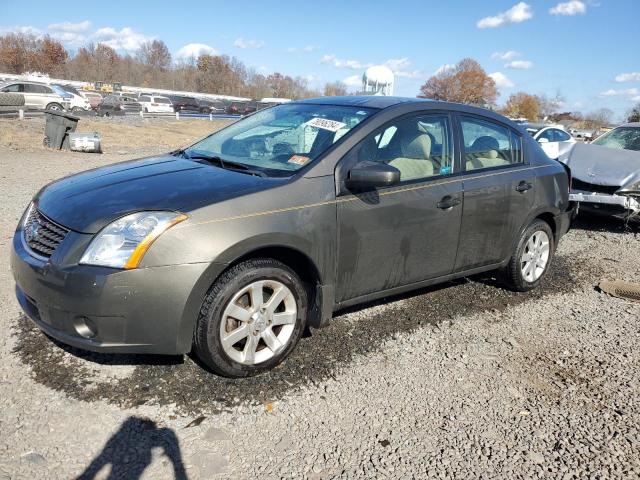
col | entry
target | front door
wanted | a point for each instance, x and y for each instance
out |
(407, 233)
(498, 191)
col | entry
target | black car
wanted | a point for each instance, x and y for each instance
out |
(118, 105)
(184, 104)
(236, 108)
(233, 246)
(211, 106)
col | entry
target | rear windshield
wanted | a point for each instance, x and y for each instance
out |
(161, 100)
(282, 139)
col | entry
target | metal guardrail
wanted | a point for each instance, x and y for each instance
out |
(25, 113)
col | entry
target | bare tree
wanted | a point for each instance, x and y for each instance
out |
(598, 118)
(467, 83)
(335, 89)
(634, 114)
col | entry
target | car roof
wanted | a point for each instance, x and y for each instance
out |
(371, 101)
(630, 124)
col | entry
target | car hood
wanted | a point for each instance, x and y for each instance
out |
(604, 165)
(89, 201)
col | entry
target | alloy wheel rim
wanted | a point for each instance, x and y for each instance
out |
(535, 256)
(258, 322)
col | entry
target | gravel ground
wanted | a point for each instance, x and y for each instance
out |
(463, 380)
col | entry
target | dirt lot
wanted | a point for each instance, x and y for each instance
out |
(464, 380)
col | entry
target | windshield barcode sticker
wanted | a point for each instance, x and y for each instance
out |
(325, 124)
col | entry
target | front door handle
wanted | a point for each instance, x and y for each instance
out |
(523, 187)
(448, 202)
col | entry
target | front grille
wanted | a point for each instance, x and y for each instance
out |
(593, 188)
(41, 234)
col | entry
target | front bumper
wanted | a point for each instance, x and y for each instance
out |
(617, 205)
(147, 310)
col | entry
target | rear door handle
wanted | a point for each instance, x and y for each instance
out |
(448, 202)
(523, 187)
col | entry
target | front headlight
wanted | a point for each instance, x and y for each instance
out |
(123, 243)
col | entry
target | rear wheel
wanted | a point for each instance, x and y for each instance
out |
(251, 319)
(54, 106)
(76, 109)
(532, 258)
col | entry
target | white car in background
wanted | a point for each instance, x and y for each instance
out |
(554, 140)
(76, 102)
(155, 104)
(37, 95)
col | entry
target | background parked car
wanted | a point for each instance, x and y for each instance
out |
(184, 104)
(606, 173)
(118, 105)
(155, 104)
(37, 95)
(76, 102)
(211, 106)
(94, 98)
(553, 139)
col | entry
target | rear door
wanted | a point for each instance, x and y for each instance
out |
(395, 236)
(498, 189)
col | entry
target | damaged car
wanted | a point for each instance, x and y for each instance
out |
(606, 173)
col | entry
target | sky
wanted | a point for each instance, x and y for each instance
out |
(584, 50)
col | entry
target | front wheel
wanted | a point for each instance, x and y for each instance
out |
(251, 319)
(532, 258)
(55, 107)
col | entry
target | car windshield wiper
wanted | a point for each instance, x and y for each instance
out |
(225, 164)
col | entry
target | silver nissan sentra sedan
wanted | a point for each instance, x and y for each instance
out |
(231, 247)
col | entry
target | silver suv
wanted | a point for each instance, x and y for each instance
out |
(37, 95)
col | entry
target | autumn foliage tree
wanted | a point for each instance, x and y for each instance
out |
(335, 89)
(467, 82)
(523, 105)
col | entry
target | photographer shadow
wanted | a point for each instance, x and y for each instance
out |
(129, 451)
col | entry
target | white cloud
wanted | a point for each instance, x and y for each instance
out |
(507, 56)
(401, 67)
(628, 77)
(628, 92)
(502, 81)
(341, 63)
(25, 29)
(516, 14)
(447, 67)
(311, 78)
(194, 50)
(519, 65)
(242, 43)
(71, 27)
(572, 7)
(635, 99)
(353, 81)
(305, 49)
(72, 39)
(123, 39)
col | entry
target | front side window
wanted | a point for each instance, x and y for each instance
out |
(144, 98)
(627, 138)
(488, 144)
(15, 88)
(561, 136)
(283, 139)
(419, 146)
(547, 134)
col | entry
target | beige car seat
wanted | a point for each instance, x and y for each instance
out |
(484, 153)
(414, 162)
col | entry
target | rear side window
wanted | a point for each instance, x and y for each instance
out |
(488, 144)
(144, 98)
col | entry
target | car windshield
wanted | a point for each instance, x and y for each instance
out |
(627, 138)
(282, 139)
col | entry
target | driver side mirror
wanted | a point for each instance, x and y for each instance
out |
(543, 140)
(367, 175)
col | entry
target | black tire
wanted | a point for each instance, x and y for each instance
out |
(207, 343)
(512, 273)
(146, 110)
(76, 109)
(54, 106)
(8, 99)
